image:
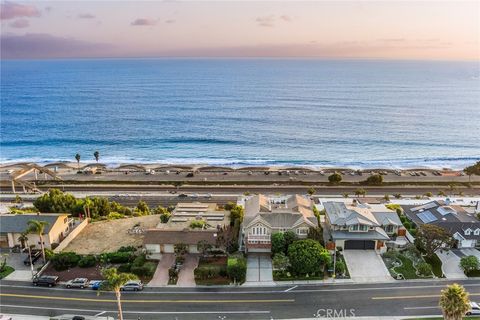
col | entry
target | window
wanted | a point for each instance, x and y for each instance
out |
(467, 232)
(302, 231)
(363, 228)
(476, 232)
(389, 228)
(259, 231)
(354, 227)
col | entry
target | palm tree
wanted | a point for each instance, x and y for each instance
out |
(38, 227)
(96, 154)
(87, 204)
(345, 194)
(77, 157)
(24, 241)
(454, 302)
(114, 281)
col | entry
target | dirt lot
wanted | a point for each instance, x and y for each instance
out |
(108, 236)
(93, 273)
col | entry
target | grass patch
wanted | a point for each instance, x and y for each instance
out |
(6, 271)
(406, 269)
(436, 264)
(393, 206)
(212, 271)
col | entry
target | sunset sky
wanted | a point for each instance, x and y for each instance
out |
(432, 30)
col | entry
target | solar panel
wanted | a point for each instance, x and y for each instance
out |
(426, 216)
(426, 206)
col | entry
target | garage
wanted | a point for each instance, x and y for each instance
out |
(360, 244)
(168, 248)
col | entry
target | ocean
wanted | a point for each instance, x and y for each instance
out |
(326, 113)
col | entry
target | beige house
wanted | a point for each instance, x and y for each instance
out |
(266, 215)
(13, 225)
(189, 224)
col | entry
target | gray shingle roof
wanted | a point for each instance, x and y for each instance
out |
(18, 223)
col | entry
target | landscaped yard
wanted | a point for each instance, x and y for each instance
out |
(436, 264)
(408, 264)
(212, 271)
(6, 271)
(108, 236)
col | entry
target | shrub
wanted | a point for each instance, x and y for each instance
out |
(237, 269)
(197, 224)
(280, 262)
(65, 260)
(307, 257)
(115, 216)
(278, 243)
(164, 217)
(124, 268)
(424, 269)
(126, 249)
(340, 267)
(119, 257)
(147, 270)
(139, 261)
(335, 178)
(376, 179)
(469, 263)
(290, 237)
(87, 261)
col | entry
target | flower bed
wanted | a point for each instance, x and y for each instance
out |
(408, 264)
(212, 271)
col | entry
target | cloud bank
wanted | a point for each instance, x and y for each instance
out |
(144, 22)
(10, 10)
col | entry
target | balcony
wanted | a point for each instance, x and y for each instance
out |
(252, 237)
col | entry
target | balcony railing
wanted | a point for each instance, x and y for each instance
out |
(258, 237)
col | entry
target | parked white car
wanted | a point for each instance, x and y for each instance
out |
(474, 309)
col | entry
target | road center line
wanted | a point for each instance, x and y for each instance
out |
(145, 301)
(415, 297)
(420, 308)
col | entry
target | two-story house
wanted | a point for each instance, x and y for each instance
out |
(266, 215)
(359, 225)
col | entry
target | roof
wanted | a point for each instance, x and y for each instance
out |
(280, 212)
(159, 236)
(18, 223)
(438, 211)
(461, 227)
(376, 234)
(185, 213)
(342, 214)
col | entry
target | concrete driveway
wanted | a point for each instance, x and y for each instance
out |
(186, 277)
(259, 270)
(160, 278)
(366, 266)
(22, 272)
(471, 252)
(451, 265)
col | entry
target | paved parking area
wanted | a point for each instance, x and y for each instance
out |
(22, 272)
(185, 276)
(451, 265)
(259, 269)
(366, 266)
(160, 278)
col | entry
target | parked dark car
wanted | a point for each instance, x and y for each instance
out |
(35, 256)
(49, 281)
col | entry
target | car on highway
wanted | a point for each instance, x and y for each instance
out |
(133, 285)
(35, 256)
(96, 284)
(77, 283)
(182, 195)
(49, 281)
(78, 317)
(474, 309)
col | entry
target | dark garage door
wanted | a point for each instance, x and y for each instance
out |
(359, 244)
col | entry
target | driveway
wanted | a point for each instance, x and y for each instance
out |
(22, 272)
(160, 278)
(471, 252)
(451, 265)
(185, 276)
(366, 266)
(259, 270)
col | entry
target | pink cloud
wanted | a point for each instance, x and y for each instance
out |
(266, 21)
(20, 23)
(10, 10)
(144, 22)
(86, 16)
(285, 18)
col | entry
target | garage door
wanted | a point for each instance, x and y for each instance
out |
(168, 248)
(359, 244)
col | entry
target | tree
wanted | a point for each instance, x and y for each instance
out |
(23, 238)
(77, 157)
(442, 193)
(142, 208)
(360, 192)
(469, 263)
(290, 237)
(114, 281)
(431, 238)
(87, 204)
(236, 212)
(472, 170)
(38, 227)
(428, 194)
(96, 155)
(315, 234)
(180, 248)
(454, 302)
(397, 195)
(335, 178)
(278, 243)
(376, 180)
(386, 197)
(311, 191)
(307, 257)
(345, 194)
(280, 262)
(203, 246)
(237, 269)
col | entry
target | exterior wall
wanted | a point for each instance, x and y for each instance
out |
(33, 240)
(64, 243)
(153, 248)
(192, 248)
(401, 232)
(58, 231)
(259, 247)
(340, 243)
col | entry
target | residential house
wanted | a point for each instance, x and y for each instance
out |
(189, 224)
(13, 225)
(462, 225)
(358, 225)
(266, 215)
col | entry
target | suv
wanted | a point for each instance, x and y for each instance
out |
(49, 281)
(474, 309)
(134, 285)
(77, 283)
(35, 256)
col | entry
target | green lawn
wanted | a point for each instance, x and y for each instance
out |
(6, 271)
(440, 318)
(436, 264)
(406, 269)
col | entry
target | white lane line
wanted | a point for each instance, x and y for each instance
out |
(420, 308)
(286, 290)
(138, 312)
(99, 314)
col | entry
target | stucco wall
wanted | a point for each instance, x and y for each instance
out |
(71, 236)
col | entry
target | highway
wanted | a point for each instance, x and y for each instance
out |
(288, 302)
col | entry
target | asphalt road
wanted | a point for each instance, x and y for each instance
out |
(289, 302)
